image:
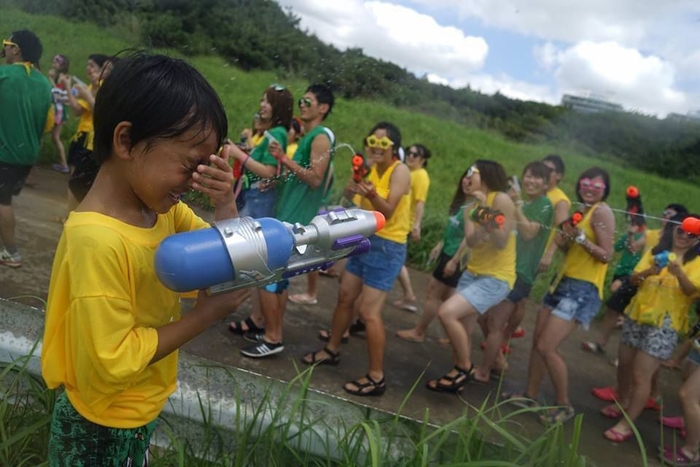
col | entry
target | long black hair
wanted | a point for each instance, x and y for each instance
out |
(162, 97)
(666, 240)
(460, 197)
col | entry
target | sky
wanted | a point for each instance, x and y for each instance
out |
(643, 54)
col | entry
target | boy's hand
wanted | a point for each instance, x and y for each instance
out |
(221, 305)
(216, 180)
(275, 149)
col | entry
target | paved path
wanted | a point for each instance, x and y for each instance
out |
(38, 234)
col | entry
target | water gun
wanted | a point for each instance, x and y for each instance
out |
(573, 221)
(691, 225)
(360, 168)
(662, 259)
(490, 219)
(635, 211)
(246, 252)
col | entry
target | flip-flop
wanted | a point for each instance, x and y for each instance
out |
(611, 411)
(303, 299)
(405, 305)
(679, 457)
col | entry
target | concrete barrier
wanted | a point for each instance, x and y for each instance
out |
(226, 398)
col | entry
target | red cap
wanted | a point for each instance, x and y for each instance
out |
(379, 218)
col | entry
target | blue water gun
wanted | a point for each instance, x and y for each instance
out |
(246, 252)
(662, 259)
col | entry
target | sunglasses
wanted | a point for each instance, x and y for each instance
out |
(305, 101)
(413, 154)
(668, 213)
(472, 170)
(382, 143)
(7, 42)
(587, 184)
(680, 231)
(277, 87)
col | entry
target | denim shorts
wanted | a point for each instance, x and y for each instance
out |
(482, 292)
(574, 299)
(521, 290)
(379, 267)
(259, 203)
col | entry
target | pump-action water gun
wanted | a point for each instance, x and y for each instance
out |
(491, 219)
(360, 168)
(573, 221)
(635, 211)
(246, 252)
(662, 259)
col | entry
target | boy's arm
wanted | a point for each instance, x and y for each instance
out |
(320, 158)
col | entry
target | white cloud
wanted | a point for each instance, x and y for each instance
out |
(620, 74)
(506, 85)
(391, 32)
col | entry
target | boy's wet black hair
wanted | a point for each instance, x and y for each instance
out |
(162, 97)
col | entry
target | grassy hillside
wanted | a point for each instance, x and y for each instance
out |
(454, 146)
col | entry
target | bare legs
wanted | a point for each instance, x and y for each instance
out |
(438, 292)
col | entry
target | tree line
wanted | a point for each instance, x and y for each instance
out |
(259, 34)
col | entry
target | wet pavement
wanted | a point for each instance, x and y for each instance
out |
(406, 364)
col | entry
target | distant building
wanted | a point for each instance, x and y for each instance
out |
(589, 104)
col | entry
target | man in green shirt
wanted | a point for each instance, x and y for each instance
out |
(298, 200)
(25, 103)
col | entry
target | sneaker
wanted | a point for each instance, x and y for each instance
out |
(557, 415)
(592, 347)
(13, 261)
(262, 349)
(607, 394)
(254, 336)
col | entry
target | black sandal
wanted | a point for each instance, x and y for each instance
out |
(252, 327)
(378, 387)
(357, 327)
(325, 335)
(456, 382)
(333, 358)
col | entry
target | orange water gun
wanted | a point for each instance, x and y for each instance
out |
(574, 220)
(360, 168)
(691, 225)
(491, 219)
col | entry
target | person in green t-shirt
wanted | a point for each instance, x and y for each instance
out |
(534, 219)
(448, 253)
(260, 167)
(299, 199)
(25, 104)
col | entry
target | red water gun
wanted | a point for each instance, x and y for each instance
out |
(635, 211)
(360, 168)
(573, 221)
(491, 219)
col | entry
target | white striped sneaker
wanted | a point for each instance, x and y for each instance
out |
(262, 349)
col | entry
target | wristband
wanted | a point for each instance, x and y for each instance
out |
(244, 162)
(372, 194)
(580, 238)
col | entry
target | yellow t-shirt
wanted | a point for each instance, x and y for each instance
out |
(397, 226)
(85, 124)
(660, 295)
(578, 263)
(105, 303)
(291, 149)
(652, 239)
(555, 195)
(420, 183)
(487, 260)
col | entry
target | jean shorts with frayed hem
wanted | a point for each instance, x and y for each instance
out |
(379, 267)
(482, 292)
(574, 300)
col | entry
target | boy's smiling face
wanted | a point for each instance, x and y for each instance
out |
(161, 174)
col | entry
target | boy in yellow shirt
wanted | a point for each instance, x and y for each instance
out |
(112, 329)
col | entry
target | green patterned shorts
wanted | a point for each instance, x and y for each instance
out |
(77, 442)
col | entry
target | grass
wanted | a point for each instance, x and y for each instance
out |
(267, 435)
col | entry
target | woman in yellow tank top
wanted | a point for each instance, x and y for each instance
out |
(490, 273)
(576, 291)
(371, 276)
